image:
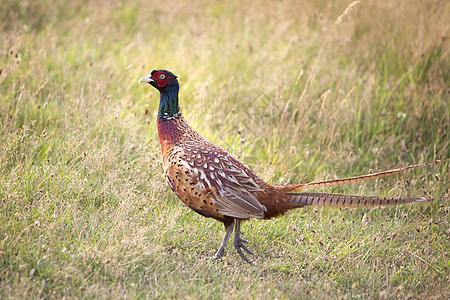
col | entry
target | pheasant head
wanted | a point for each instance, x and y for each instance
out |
(161, 80)
(167, 84)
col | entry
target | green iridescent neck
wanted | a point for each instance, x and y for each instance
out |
(168, 103)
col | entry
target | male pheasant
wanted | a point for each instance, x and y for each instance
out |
(213, 183)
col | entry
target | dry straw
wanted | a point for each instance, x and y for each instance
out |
(346, 12)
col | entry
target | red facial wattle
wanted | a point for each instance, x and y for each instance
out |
(161, 79)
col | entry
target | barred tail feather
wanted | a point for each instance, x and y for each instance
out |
(335, 182)
(322, 199)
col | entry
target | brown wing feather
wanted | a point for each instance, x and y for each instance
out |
(232, 183)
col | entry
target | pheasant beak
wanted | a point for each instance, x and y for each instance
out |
(147, 79)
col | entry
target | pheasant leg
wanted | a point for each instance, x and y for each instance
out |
(228, 231)
(239, 243)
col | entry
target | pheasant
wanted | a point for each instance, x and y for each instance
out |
(213, 183)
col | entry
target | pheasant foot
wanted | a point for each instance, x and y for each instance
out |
(239, 244)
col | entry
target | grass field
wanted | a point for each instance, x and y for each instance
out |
(298, 90)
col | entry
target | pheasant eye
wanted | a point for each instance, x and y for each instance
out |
(162, 76)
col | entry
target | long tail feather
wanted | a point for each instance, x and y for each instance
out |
(335, 182)
(322, 199)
